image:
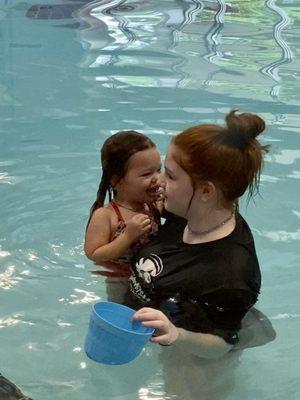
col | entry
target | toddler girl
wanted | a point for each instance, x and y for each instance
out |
(131, 176)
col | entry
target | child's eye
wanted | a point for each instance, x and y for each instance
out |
(146, 174)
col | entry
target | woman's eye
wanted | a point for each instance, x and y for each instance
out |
(169, 176)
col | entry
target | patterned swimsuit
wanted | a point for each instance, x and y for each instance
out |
(121, 267)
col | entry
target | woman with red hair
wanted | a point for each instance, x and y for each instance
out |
(197, 279)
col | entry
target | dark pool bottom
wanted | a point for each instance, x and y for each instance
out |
(9, 391)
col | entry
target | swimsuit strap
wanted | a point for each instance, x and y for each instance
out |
(117, 211)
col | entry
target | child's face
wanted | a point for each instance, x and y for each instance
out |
(142, 178)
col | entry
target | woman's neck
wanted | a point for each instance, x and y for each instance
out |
(209, 225)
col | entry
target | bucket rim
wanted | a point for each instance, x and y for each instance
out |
(118, 327)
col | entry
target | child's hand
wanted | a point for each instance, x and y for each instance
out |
(160, 198)
(137, 226)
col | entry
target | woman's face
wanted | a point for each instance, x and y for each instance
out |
(179, 188)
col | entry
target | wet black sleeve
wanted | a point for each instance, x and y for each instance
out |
(219, 312)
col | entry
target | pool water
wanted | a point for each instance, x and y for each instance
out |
(74, 72)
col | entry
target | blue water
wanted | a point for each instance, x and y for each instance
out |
(156, 67)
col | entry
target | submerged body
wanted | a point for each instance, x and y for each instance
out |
(9, 391)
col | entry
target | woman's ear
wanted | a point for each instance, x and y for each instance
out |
(206, 190)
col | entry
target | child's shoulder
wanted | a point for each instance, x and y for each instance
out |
(103, 213)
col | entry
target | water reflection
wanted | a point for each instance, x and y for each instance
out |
(9, 278)
(272, 70)
(213, 36)
(133, 45)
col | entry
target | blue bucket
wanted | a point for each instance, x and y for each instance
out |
(112, 337)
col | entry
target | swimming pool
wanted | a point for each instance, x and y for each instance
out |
(157, 67)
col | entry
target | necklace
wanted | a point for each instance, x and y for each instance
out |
(127, 208)
(214, 228)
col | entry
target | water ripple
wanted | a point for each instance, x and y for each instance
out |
(285, 157)
(281, 235)
(15, 319)
(285, 316)
(272, 70)
(81, 297)
(8, 278)
(213, 36)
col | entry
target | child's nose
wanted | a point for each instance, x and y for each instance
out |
(156, 177)
(160, 180)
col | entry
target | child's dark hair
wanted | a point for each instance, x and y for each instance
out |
(115, 154)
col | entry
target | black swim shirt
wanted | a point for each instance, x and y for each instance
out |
(206, 287)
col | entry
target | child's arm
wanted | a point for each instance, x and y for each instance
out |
(98, 247)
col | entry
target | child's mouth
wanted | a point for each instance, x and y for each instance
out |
(155, 190)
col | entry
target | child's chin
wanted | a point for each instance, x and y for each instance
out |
(152, 196)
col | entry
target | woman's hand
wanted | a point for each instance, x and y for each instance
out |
(166, 332)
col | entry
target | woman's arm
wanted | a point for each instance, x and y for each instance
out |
(203, 345)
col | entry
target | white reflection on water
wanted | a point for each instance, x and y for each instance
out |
(8, 278)
(77, 349)
(294, 175)
(31, 255)
(81, 297)
(146, 394)
(63, 324)
(286, 157)
(281, 236)
(272, 69)
(297, 213)
(213, 36)
(6, 178)
(269, 178)
(285, 316)
(4, 253)
(15, 319)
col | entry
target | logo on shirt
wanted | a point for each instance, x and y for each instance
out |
(149, 267)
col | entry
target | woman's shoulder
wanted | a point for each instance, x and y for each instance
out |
(242, 230)
(243, 250)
